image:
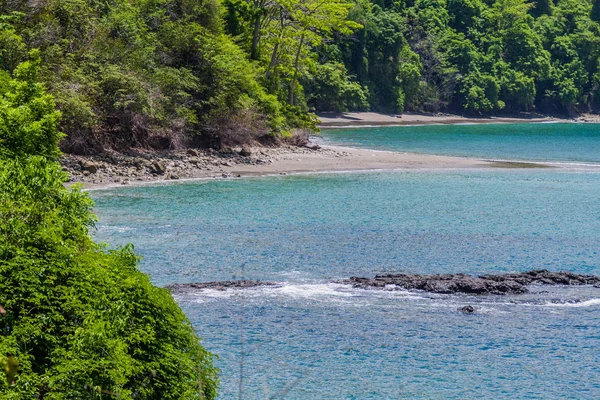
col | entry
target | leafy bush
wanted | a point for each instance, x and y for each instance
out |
(80, 319)
(331, 89)
(28, 119)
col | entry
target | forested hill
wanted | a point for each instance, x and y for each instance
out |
(473, 56)
(167, 73)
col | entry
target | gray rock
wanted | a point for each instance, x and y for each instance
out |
(192, 152)
(246, 152)
(158, 167)
(468, 309)
(90, 166)
(461, 283)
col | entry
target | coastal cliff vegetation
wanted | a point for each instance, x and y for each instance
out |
(77, 319)
(176, 73)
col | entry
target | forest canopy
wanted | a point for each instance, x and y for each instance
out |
(170, 73)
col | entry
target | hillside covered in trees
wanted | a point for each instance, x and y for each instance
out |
(169, 73)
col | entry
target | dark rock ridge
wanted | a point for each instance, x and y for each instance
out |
(223, 285)
(515, 283)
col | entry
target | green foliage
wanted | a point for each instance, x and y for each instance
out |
(131, 73)
(472, 56)
(81, 320)
(464, 14)
(192, 71)
(12, 48)
(481, 93)
(331, 89)
(28, 119)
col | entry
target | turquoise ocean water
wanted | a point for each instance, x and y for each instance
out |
(313, 339)
(554, 142)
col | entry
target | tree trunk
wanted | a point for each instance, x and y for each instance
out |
(255, 37)
(296, 61)
(274, 61)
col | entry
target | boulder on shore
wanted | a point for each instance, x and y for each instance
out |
(158, 167)
(245, 152)
(89, 166)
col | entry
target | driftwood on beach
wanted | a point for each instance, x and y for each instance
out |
(514, 283)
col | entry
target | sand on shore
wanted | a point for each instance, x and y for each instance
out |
(377, 119)
(263, 162)
(335, 158)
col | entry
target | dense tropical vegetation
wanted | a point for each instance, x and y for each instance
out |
(80, 319)
(165, 73)
(474, 56)
(77, 320)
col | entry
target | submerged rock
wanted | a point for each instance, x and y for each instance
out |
(462, 283)
(468, 309)
(222, 285)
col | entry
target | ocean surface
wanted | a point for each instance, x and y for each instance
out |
(554, 142)
(311, 338)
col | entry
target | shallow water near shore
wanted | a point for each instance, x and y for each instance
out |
(550, 142)
(311, 338)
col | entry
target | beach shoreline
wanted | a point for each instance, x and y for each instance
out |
(103, 172)
(141, 167)
(366, 119)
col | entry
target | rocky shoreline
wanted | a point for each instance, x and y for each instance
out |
(112, 168)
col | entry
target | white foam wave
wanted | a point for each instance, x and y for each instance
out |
(587, 303)
(112, 228)
(571, 164)
(313, 290)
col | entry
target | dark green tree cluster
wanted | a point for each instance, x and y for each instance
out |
(474, 56)
(147, 73)
(168, 73)
(77, 320)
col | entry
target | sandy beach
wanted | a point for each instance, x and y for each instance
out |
(377, 119)
(110, 171)
(113, 169)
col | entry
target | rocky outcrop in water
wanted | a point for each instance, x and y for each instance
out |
(223, 285)
(515, 283)
(467, 309)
